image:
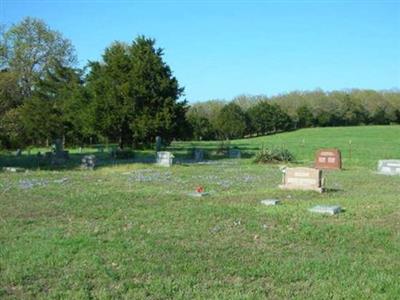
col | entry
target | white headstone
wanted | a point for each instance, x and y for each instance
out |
(270, 202)
(165, 158)
(389, 167)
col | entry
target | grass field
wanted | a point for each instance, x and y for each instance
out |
(131, 231)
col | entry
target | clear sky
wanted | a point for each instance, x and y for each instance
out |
(220, 49)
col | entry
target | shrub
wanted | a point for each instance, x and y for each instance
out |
(273, 155)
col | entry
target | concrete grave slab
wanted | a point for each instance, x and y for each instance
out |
(389, 167)
(326, 209)
(302, 179)
(270, 202)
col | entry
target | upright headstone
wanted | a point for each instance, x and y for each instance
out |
(302, 179)
(328, 159)
(389, 167)
(234, 153)
(198, 155)
(165, 158)
(88, 162)
(158, 143)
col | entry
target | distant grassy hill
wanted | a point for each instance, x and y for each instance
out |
(368, 143)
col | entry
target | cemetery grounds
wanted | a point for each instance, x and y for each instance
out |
(130, 230)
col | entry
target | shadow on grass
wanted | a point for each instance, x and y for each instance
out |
(103, 159)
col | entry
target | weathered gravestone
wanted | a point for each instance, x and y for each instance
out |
(88, 162)
(198, 155)
(165, 158)
(234, 153)
(158, 143)
(270, 202)
(328, 159)
(389, 167)
(302, 179)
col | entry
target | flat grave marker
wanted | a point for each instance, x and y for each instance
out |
(302, 179)
(326, 209)
(328, 159)
(165, 158)
(270, 202)
(389, 167)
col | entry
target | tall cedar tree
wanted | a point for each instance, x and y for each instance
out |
(135, 95)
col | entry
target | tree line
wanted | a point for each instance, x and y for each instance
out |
(262, 115)
(130, 96)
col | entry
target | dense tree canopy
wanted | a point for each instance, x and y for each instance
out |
(135, 96)
(131, 96)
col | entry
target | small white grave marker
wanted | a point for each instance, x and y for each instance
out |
(270, 202)
(389, 167)
(165, 158)
(199, 194)
(326, 209)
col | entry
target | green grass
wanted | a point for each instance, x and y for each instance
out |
(131, 231)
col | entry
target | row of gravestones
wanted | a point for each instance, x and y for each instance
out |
(326, 159)
(166, 159)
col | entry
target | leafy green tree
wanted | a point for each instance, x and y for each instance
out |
(305, 116)
(201, 127)
(262, 118)
(30, 48)
(232, 122)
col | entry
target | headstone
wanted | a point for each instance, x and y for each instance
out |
(165, 158)
(234, 153)
(302, 179)
(269, 202)
(328, 159)
(158, 143)
(198, 155)
(389, 167)
(325, 209)
(88, 162)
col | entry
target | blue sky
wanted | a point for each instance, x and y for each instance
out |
(220, 49)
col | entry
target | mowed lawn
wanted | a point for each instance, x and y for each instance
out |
(131, 231)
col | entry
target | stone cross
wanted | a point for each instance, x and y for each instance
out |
(302, 179)
(328, 159)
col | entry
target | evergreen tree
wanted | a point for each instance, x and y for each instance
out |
(135, 95)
